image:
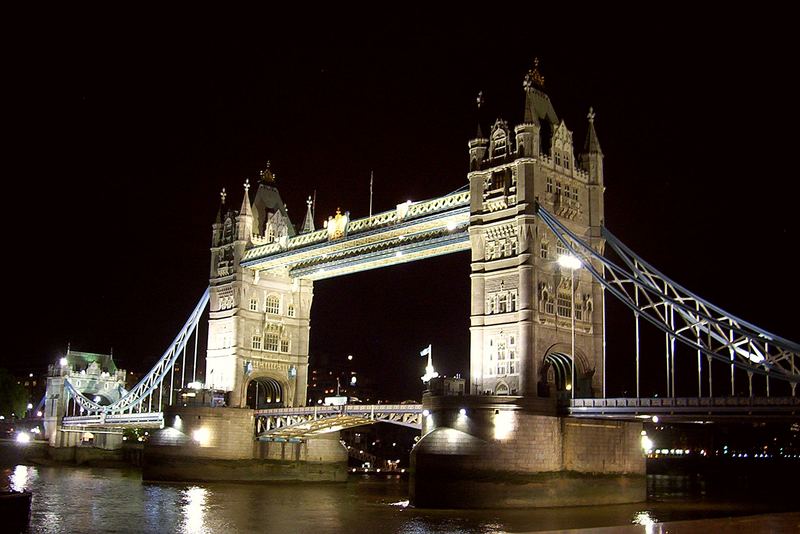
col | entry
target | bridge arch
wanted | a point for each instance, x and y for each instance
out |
(555, 373)
(264, 390)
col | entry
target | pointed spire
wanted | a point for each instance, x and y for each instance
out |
(479, 102)
(592, 145)
(222, 195)
(246, 209)
(308, 223)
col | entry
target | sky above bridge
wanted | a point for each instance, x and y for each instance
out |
(124, 127)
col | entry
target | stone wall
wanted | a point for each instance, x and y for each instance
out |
(203, 443)
(517, 452)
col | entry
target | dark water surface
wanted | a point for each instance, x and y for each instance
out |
(76, 499)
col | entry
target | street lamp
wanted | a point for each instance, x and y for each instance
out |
(570, 262)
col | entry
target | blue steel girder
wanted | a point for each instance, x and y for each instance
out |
(679, 313)
(413, 231)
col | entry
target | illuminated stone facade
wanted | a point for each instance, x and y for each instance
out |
(259, 322)
(520, 323)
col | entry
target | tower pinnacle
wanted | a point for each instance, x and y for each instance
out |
(592, 145)
(479, 102)
(266, 175)
(308, 222)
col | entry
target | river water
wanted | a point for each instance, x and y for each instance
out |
(85, 500)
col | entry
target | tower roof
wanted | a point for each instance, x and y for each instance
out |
(592, 145)
(537, 104)
(268, 200)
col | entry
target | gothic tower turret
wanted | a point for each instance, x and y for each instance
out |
(521, 311)
(259, 322)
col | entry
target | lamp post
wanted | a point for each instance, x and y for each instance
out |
(571, 262)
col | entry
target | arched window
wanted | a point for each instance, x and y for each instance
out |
(564, 304)
(290, 310)
(273, 304)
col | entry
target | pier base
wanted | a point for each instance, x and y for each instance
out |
(217, 444)
(511, 452)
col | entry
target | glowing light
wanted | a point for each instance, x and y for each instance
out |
(349, 357)
(39, 413)
(23, 437)
(655, 419)
(451, 225)
(30, 406)
(97, 398)
(462, 411)
(647, 444)
(569, 387)
(62, 362)
(201, 436)
(504, 422)
(353, 381)
(426, 413)
(195, 385)
(378, 470)
(569, 261)
(36, 430)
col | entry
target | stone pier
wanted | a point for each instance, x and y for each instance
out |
(508, 452)
(217, 444)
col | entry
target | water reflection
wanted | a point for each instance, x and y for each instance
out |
(194, 510)
(644, 518)
(71, 499)
(18, 480)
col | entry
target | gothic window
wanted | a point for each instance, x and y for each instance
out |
(501, 358)
(290, 311)
(558, 157)
(549, 184)
(558, 189)
(564, 303)
(512, 356)
(507, 247)
(561, 250)
(574, 193)
(548, 306)
(273, 304)
(566, 161)
(253, 304)
(578, 314)
(502, 306)
(490, 304)
(270, 232)
(271, 342)
(284, 345)
(544, 250)
(512, 301)
(256, 342)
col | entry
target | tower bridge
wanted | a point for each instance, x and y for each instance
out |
(537, 332)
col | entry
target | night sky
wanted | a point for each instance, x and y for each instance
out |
(122, 128)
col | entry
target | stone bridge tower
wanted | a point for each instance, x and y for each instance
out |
(520, 323)
(259, 323)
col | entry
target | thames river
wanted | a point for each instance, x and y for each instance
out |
(85, 500)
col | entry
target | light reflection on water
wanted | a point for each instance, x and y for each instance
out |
(69, 499)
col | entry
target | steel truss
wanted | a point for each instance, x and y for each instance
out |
(683, 316)
(149, 392)
(291, 424)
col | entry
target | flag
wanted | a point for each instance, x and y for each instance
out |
(426, 351)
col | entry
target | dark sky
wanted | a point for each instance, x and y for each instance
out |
(121, 128)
